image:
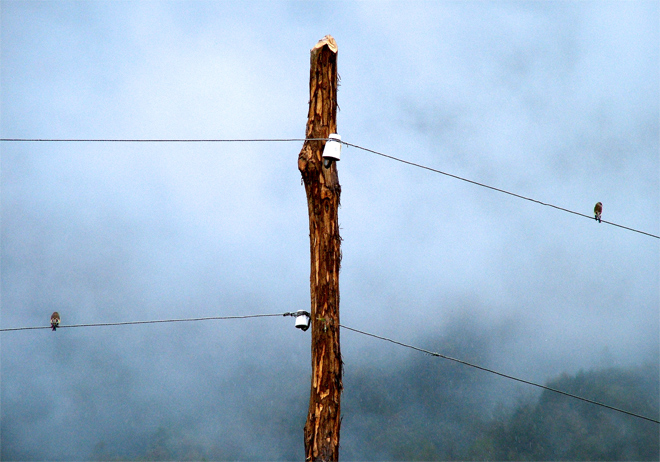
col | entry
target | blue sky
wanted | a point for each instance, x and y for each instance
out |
(558, 101)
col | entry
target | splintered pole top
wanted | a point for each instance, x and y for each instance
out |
(327, 40)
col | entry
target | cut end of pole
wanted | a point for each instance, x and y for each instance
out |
(327, 40)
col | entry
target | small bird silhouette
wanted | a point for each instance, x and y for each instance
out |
(54, 320)
(598, 210)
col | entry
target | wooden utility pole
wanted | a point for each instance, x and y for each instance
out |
(323, 191)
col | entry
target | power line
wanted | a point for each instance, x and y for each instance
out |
(209, 318)
(237, 140)
(153, 140)
(433, 353)
(494, 188)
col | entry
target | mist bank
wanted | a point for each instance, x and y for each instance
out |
(414, 407)
(449, 416)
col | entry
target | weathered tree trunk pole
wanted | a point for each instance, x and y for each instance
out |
(323, 191)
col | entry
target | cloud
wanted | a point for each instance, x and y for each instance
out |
(554, 101)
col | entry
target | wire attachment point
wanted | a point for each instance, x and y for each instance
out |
(303, 320)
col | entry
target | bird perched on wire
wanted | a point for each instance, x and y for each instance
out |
(54, 320)
(598, 210)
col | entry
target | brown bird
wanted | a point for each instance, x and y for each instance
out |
(54, 320)
(598, 210)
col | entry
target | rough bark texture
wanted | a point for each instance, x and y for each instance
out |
(323, 191)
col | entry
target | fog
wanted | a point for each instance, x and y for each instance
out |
(557, 101)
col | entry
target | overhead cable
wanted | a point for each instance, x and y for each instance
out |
(155, 140)
(237, 140)
(103, 324)
(494, 188)
(433, 353)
